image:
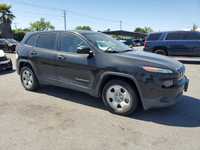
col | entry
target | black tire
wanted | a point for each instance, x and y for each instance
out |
(35, 84)
(161, 52)
(134, 99)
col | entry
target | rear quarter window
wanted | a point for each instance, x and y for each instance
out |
(31, 40)
(154, 36)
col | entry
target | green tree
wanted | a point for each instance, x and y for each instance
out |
(6, 18)
(19, 33)
(84, 28)
(143, 30)
(41, 25)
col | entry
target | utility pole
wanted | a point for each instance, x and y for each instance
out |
(120, 24)
(65, 24)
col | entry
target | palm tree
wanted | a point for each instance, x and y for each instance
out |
(6, 17)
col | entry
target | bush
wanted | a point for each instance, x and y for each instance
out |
(19, 35)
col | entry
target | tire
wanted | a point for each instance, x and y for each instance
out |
(28, 79)
(115, 99)
(161, 52)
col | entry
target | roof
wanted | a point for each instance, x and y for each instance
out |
(125, 33)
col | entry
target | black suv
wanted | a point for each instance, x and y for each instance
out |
(97, 64)
(174, 43)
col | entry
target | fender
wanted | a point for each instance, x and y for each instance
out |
(118, 74)
(23, 60)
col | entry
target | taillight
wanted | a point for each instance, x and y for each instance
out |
(145, 44)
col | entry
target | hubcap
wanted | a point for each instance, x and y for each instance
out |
(119, 98)
(27, 78)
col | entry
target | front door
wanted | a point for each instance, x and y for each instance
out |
(74, 70)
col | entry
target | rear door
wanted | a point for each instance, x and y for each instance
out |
(178, 44)
(74, 70)
(44, 56)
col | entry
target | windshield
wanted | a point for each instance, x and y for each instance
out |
(106, 43)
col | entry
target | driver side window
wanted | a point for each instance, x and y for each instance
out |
(71, 42)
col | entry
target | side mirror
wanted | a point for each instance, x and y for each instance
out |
(85, 50)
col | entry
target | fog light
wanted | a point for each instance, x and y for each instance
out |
(168, 83)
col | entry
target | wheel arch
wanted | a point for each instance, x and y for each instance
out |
(24, 62)
(161, 48)
(125, 77)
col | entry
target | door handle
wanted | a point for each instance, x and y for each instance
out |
(61, 57)
(34, 53)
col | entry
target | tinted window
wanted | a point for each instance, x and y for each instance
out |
(46, 40)
(175, 36)
(154, 36)
(183, 36)
(70, 42)
(31, 40)
(192, 36)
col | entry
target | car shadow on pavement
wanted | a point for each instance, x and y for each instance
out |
(6, 72)
(74, 96)
(186, 113)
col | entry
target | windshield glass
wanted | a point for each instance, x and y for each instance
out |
(106, 43)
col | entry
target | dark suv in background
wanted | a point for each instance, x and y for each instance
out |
(96, 64)
(174, 43)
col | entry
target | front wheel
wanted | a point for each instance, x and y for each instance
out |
(119, 97)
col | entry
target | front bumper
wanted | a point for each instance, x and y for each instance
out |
(6, 65)
(164, 97)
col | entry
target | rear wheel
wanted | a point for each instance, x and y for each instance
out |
(120, 97)
(160, 51)
(28, 79)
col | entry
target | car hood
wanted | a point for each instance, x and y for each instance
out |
(154, 60)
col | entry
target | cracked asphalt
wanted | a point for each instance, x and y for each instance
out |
(60, 119)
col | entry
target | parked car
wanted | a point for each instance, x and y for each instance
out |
(8, 45)
(5, 62)
(101, 66)
(128, 42)
(175, 43)
(138, 42)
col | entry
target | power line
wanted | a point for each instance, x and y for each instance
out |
(71, 12)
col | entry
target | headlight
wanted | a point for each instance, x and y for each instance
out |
(156, 70)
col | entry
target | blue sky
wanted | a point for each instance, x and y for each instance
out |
(102, 14)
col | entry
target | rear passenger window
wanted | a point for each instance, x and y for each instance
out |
(31, 40)
(175, 36)
(154, 37)
(192, 36)
(46, 40)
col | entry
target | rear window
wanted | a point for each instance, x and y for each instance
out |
(154, 37)
(46, 40)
